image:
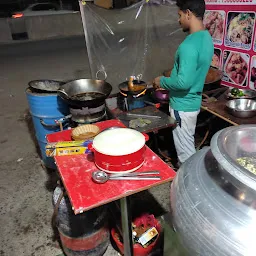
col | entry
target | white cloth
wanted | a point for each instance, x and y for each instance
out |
(183, 133)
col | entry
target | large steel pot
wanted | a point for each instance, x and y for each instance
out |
(213, 198)
(85, 92)
(119, 150)
(243, 108)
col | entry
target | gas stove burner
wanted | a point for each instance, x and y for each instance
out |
(130, 102)
(85, 115)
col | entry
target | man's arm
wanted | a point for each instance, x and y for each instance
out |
(183, 81)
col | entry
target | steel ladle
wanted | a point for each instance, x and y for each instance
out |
(102, 177)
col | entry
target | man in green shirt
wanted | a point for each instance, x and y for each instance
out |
(186, 82)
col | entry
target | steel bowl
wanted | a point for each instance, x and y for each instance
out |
(243, 108)
(248, 94)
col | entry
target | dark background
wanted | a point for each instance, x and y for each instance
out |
(9, 6)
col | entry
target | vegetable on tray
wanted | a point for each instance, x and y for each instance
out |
(237, 93)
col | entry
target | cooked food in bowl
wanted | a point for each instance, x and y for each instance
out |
(236, 68)
(135, 86)
(248, 163)
(138, 87)
(87, 96)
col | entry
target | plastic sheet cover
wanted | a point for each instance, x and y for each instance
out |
(139, 40)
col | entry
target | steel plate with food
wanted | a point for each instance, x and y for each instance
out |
(249, 163)
(236, 67)
(235, 93)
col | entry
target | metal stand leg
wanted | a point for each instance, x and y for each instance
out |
(126, 227)
(126, 104)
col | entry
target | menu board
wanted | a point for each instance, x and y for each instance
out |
(232, 26)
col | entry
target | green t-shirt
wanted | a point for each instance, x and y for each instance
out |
(192, 62)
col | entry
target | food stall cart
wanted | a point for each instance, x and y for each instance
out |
(76, 174)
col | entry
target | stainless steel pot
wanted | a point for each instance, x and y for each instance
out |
(213, 198)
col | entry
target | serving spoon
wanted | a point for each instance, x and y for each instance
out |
(102, 177)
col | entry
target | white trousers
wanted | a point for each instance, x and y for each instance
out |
(184, 132)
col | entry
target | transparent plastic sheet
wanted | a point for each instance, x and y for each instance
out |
(139, 40)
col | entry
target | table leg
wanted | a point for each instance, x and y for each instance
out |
(155, 139)
(126, 227)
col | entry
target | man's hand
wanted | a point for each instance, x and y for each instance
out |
(156, 82)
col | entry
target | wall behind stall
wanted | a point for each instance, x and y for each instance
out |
(140, 39)
(5, 32)
(50, 26)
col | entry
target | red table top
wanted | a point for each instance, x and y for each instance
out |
(84, 194)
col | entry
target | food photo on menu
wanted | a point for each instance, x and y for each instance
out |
(214, 22)
(235, 67)
(216, 59)
(253, 73)
(240, 30)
